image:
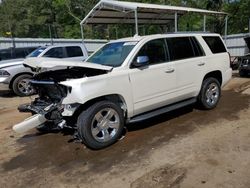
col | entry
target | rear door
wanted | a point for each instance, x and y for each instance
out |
(153, 85)
(74, 53)
(188, 58)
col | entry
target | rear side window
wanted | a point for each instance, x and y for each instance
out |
(180, 48)
(56, 52)
(155, 50)
(198, 51)
(215, 44)
(74, 51)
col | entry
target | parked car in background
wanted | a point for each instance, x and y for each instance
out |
(15, 76)
(244, 67)
(128, 80)
(15, 53)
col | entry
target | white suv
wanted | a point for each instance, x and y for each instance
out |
(129, 80)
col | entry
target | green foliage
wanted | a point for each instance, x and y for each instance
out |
(36, 18)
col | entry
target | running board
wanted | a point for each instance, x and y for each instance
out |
(163, 110)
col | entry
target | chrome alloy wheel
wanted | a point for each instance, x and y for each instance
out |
(212, 94)
(105, 125)
(25, 87)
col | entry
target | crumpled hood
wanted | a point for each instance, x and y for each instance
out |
(10, 63)
(41, 62)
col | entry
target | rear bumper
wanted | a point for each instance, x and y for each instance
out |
(245, 68)
(227, 77)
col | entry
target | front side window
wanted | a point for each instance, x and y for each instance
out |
(56, 52)
(180, 48)
(215, 44)
(155, 50)
(112, 54)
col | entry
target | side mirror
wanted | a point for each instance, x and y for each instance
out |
(141, 61)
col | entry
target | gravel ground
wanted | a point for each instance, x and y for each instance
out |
(185, 148)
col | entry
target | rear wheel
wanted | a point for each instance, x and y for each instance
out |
(210, 93)
(101, 124)
(21, 85)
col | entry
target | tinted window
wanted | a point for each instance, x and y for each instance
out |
(5, 54)
(198, 51)
(215, 44)
(155, 50)
(55, 52)
(20, 53)
(74, 51)
(180, 48)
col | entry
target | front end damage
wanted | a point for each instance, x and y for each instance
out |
(47, 108)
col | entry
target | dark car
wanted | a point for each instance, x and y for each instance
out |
(15, 53)
(244, 67)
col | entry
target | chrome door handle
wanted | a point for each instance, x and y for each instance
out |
(170, 70)
(201, 64)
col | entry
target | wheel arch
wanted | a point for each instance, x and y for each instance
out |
(19, 74)
(115, 98)
(214, 74)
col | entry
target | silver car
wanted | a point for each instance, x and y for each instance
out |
(14, 76)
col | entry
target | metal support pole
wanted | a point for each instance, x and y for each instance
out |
(83, 37)
(204, 23)
(175, 22)
(225, 37)
(136, 23)
(249, 25)
(82, 33)
(50, 35)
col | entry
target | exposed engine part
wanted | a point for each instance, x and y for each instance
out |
(29, 123)
(61, 124)
(48, 106)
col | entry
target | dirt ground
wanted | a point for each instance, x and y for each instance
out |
(185, 148)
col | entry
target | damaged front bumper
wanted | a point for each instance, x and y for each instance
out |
(46, 109)
(43, 113)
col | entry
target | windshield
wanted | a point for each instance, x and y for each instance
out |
(36, 52)
(112, 54)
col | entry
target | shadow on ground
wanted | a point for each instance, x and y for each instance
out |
(7, 94)
(38, 151)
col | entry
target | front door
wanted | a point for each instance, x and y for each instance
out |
(153, 85)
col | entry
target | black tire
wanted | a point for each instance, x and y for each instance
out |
(204, 101)
(18, 90)
(87, 122)
(242, 73)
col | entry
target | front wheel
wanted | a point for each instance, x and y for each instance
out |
(210, 93)
(101, 124)
(21, 85)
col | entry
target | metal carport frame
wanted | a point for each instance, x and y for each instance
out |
(116, 12)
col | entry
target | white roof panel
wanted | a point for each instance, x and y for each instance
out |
(114, 12)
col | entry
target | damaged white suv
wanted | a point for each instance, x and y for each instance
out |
(128, 80)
